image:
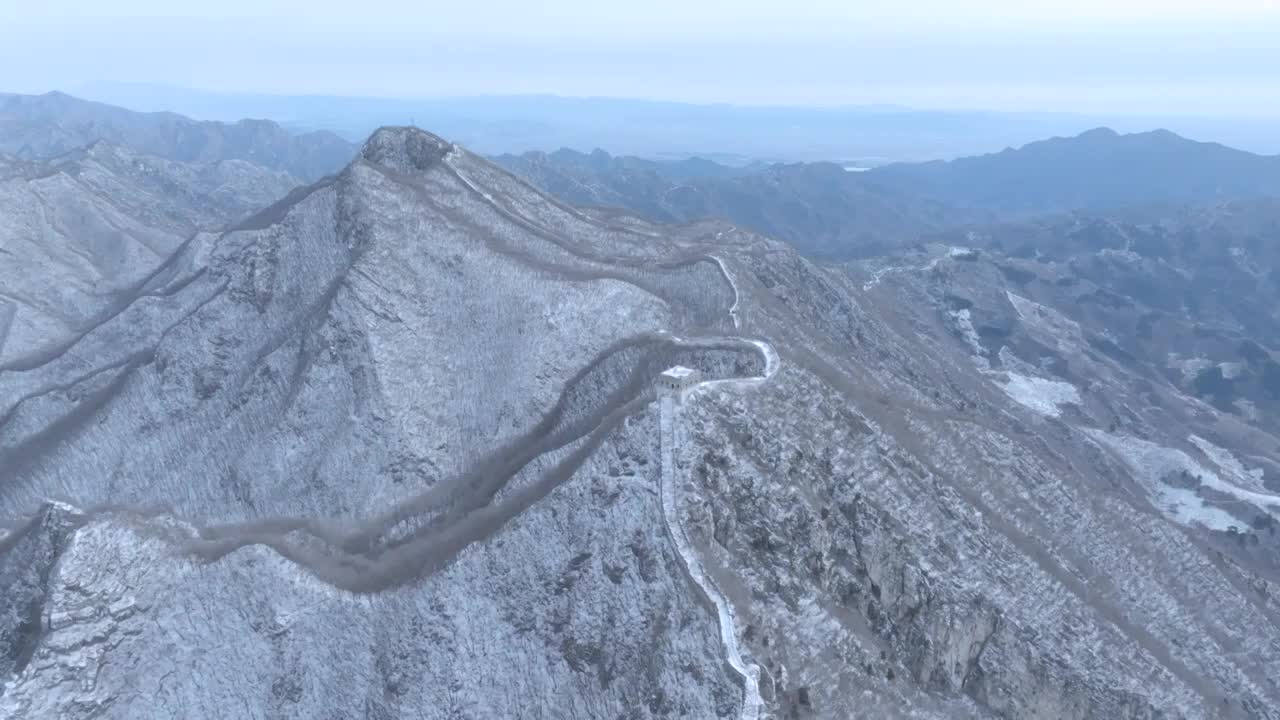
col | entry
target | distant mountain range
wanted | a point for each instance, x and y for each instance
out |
(44, 126)
(819, 207)
(873, 134)
(825, 211)
(1095, 170)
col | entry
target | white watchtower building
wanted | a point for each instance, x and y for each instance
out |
(674, 381)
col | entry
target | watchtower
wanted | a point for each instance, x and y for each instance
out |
(675, 380)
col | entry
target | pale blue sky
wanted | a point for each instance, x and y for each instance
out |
(1117, 56)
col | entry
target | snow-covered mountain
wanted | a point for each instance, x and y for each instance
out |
(397, 445)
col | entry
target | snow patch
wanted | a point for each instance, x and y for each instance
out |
(878, 275)
(1231, 370)
(1189, 367)
(1247, 409)
(964, 322)
(1235, 471)
(1151, 463)
(1043, 396)
(1243, 261)
(1014, 364)
(1125, 256)
(1064, 332)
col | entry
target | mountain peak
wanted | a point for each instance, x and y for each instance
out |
(407, 149)
(1098, 133)
(1164, 135)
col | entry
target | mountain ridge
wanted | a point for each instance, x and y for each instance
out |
(83, 227)
(820, 208)
(43, 126)
(394, 447)
(830, 213)
(1096, 170)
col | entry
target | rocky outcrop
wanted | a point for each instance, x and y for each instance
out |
(28, 554)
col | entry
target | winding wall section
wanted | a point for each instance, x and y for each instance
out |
(669, 411)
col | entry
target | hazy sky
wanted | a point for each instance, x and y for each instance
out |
(1148, 56)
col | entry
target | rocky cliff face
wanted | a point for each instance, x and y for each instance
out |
(390, 447)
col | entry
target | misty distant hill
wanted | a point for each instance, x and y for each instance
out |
(826, 211)
(820, 208)
(1099, 169)
(518, 123)
(600, 161)
(45, 126)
